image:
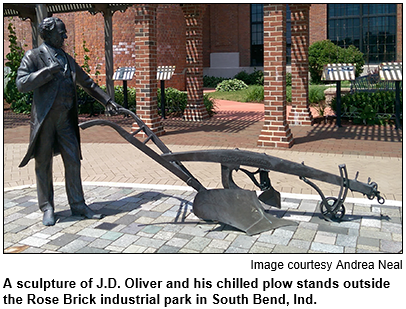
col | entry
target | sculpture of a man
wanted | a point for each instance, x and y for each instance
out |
(53, 75)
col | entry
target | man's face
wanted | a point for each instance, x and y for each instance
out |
(58, 35)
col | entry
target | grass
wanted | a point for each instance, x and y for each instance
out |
(243, 95)
(239, 95)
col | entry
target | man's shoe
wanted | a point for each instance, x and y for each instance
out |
(48, 218)
(82, 210)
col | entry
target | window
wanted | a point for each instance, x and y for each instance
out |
(369, 27)
(257, 35)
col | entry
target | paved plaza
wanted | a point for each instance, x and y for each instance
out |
(148, 210)
(155, 219)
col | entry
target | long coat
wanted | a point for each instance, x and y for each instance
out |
(34, 75)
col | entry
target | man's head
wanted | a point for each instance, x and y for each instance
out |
(52, 30)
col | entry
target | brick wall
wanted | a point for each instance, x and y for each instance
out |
(318, 22)
(227, 29)
(300, 113)
(399, 34)
(146, 65)
(244, 31)
(23, 32)
(195, 109)
(94, 38)
(276, 131)
(171, 42)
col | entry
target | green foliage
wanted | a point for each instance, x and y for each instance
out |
(255, 78)
(368, 108)
(231, 85)
(209, 104)
(86, 58)
(317, 98)
(20, 102)
(316, 93)
(23, 104)
(119, 95)
(176, 102)
(289, 94)
(288, 79)
(212, 81)
(324, 52)
(87, 103)
(255, 94)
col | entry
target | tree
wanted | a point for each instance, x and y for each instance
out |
(324, 52)
(20, 102)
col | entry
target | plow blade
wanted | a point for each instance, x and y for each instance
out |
(238, 208)
(271, 197)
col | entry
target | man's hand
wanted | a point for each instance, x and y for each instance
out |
(54, 67)
(112, 107)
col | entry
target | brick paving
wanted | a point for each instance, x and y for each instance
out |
(239, 126)
(159, 220)
(149, 209)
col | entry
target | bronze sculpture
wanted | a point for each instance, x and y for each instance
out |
(233, 205)
(53, 75)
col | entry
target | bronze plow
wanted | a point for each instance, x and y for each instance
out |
(233, 205)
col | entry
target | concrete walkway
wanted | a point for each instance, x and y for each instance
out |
(149, 210)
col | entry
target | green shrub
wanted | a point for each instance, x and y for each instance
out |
(231, 85)
(288, 79)
(119, 96)
(317, 98)
(89, 105)
(368, 108)
(243, 76)
(22, 105)
(19, 102)
(324, 52)
(255, 94)
(209, 104)
(176, 102)
(212, 81)
(289, 94)
(316, 94)
(255, 78)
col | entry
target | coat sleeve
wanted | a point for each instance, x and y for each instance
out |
(29, 77)
(90, 87)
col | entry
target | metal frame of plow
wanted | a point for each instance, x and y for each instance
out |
(233, 205)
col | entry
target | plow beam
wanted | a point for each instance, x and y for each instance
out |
(270, 163)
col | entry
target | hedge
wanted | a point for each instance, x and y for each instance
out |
(368, 108)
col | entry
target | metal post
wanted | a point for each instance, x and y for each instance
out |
(338, 94)
(125, 94)
(108, 45)
(163, 99)
(41, 13)
(398, 124)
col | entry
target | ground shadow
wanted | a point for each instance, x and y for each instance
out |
(129, 204)
(223, 121)
(328, 130)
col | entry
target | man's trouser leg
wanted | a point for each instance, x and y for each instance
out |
(43, 167)
(69, 147)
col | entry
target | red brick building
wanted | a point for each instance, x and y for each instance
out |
(226, 37)
(223, 39)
